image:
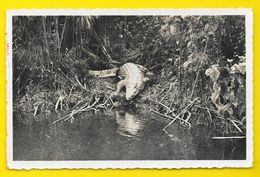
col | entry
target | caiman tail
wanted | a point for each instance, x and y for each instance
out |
(104, 73)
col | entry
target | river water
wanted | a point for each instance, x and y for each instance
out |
(116, 135)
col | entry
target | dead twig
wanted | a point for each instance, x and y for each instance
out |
(178, 116)
(236, 125)
(215, 111)
(85, 107)
(227, 137)
(195, 83)
(169, 117)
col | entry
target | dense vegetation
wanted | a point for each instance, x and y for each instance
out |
(198, 64)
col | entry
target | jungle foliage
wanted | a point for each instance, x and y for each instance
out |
(198, 64)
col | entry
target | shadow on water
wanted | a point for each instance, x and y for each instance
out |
(116, 135)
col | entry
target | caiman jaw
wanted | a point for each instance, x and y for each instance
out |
(127, 97)
(130, 96)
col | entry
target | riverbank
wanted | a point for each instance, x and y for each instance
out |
(162, 96)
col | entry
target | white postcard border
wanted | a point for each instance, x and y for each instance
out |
(124, 164)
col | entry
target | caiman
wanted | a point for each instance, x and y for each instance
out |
(133, 78)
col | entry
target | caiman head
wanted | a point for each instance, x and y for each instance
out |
(134, 90)
(131, 93)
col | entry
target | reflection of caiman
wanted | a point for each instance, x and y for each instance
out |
(133, 78)
(128, 124)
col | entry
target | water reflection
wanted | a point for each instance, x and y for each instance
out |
(114, 135)
(128, 124)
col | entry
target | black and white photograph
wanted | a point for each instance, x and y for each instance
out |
(114, 88)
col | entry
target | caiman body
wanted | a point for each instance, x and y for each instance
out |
(132, 77)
